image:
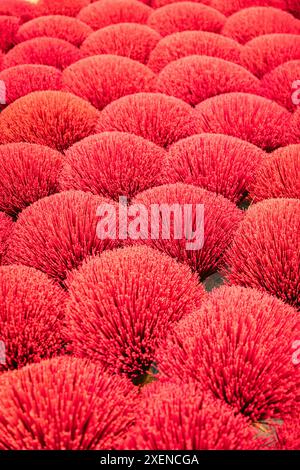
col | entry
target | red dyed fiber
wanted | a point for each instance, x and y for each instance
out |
(277, 176)
(162, 3)
(223, 347)
(183, 16)
(105, 78)
(67, 404)
(249, 23)
(50, 118)
(44, 51)
(258, 120)
(27, 78)
(28, 172)
(19, 8)
(6, 227)
(221, 219)
(265, 252)
(294, 7)
(61, 7)
(107, 12)
(282, 86)
(153, 116)
(31, 317)
(113, 164)
(228, 7)
(183, 417)
(9, 26)
(56, 26)
(264, 53)
(56, 233)
(288, 433)
(123, 303)
(146, 2)
(149, 153)
(222, 164)
(186, 43)
(196, 78)
(293, 132)
(131, 40)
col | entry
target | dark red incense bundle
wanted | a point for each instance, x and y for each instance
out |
(132, 40)
(229, 7)
(223, 347)
(61, 7)
(186, 43)
(9, 26)
(220, 163)
(249, 23)
(264, 53)
(196, 78)
(45, 51)
(123, 303)
(249, 117)
(56, 26)
(67, 404)
(57, 233)
(153, 116)
(265, 252)
(31, 316)
(6, 227)
(113, 164)
(277, 175)
(183, 16)
(26, 78)
(28, 172)
(18, 8)
(293, 130)
(183, 417)
(105, 12)
(106, 78)
(184, 241)
(283, 85)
